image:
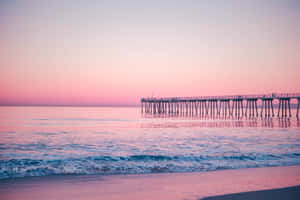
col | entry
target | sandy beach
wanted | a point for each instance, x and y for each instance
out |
(175, 186)
(290, 193)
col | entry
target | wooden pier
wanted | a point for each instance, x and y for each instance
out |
(235, 105)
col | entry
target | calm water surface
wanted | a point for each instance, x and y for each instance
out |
(43, 141)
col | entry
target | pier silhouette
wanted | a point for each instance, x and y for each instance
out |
(226, 106)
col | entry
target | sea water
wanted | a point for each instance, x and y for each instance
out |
(45, 141)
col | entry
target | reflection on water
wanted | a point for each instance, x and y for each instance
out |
(222, 121)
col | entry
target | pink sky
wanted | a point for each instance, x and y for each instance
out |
(114, 53)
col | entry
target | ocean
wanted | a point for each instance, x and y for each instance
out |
(47, 141)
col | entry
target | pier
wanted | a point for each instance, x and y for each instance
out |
(226, 106)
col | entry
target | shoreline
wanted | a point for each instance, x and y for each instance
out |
(175, 186)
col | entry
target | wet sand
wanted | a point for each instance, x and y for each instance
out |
(290, 193)
(175, 186)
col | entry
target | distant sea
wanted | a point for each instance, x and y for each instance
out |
(45, 141)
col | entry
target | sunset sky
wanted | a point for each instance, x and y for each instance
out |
(115, 52)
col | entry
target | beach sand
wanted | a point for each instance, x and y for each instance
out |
(175, 186)
(290, 193)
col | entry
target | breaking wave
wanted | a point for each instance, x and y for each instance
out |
(139, 164)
